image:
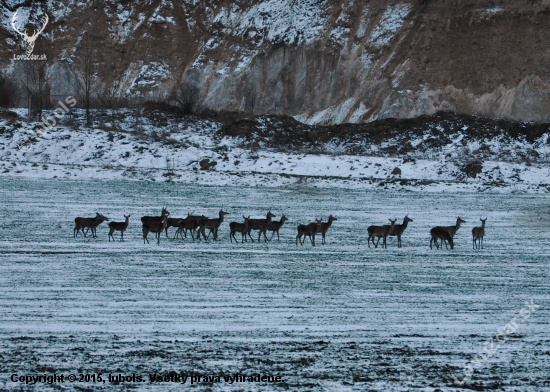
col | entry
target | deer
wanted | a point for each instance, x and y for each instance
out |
(380, 232)
(399, 229)
(154, 225)
(309, 230)
(172, 222)
(240, 228)
(275, 226)
(190, 223)
(443, 235)
(118, 226)
(452, 229)
(88, 223)
(261, 225)
(477, 234)
(323, 228)
(212, 224)
(29, 40)
(163, 213)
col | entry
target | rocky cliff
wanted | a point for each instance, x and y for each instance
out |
(317, 60)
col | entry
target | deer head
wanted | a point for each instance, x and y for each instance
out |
(29, 40)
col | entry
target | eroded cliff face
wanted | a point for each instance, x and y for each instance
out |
(318, 60)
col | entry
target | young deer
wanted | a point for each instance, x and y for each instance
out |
(211, 224)
(442, 234)
(172, 222)
(190, 223)
(261, 225)
(154, 224)
(451, 229)
(325, 226)
(88, 223)
(399, 229)
(309, 230)
(275, 226)
(118, 226)
(239, 228)
(478, 233)
(380, 232)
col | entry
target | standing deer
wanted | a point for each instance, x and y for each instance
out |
(172, 222)
(451, 229)
(190, 223)
(325, 226)
(118, 226)
(478, 233)
(380, 232)
(240, 228)
(443, 235)
(154, 224)
(399, 229)
(261, 225)
(211, 224)
(275, 226)
(88, 223)
(309, 230)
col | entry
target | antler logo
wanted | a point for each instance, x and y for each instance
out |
(29, 40)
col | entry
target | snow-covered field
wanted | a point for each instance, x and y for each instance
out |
(335, 317)
(165, 149)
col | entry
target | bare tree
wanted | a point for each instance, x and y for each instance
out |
(37, 85)
(83, 75)
(187, 97)
(9, 93)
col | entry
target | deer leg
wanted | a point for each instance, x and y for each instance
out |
(122, 236)
(312, 238)
(377, 242)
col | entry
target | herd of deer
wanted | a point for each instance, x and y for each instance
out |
(198, 224)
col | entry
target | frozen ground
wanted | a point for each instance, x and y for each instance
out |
(337, 317)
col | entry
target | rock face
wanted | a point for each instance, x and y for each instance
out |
(321, 61)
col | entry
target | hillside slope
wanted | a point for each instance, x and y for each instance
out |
(431, 153)
(321, 61)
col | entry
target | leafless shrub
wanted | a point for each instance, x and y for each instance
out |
(187, 97)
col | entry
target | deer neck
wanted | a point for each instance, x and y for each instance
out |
(457, 226)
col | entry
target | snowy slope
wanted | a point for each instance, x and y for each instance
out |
(170, 149)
